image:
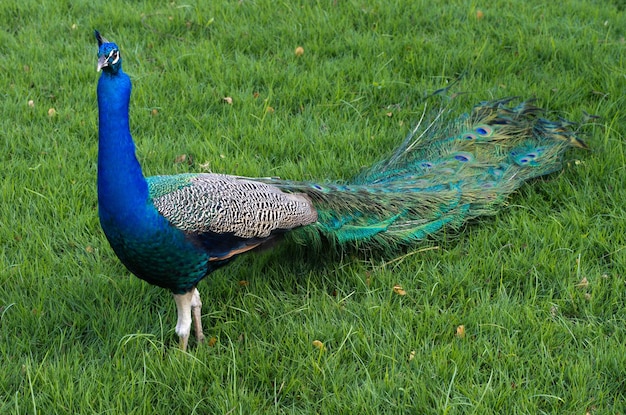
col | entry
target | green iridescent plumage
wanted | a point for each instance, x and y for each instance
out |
(442, 175)
(161, 185)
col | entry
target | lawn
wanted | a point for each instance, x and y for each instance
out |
(520, 313)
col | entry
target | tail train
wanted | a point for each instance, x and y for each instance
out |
(442, 175)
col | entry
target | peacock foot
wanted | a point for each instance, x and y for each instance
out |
(189, 307)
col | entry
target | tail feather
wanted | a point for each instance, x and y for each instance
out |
(451, 172)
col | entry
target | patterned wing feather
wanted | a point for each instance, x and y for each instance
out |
(222, 204)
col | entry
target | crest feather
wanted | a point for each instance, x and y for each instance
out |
(101, 40)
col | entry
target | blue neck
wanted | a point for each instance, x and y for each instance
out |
(122, 188)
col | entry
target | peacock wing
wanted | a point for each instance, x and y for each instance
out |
(218, 204)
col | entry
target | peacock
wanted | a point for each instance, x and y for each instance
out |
(174, 230)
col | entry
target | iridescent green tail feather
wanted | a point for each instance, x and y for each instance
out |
(442, 175)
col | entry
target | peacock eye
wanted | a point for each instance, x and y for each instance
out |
(114, 56)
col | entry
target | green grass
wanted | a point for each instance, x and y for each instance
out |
(79, 334)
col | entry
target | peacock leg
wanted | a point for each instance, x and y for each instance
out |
(183, 325)
(196, 315)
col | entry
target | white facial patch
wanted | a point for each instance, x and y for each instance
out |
(115, 54)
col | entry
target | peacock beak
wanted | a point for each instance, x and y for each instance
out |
(103, 61)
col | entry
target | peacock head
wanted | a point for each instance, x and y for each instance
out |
(109, 59)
